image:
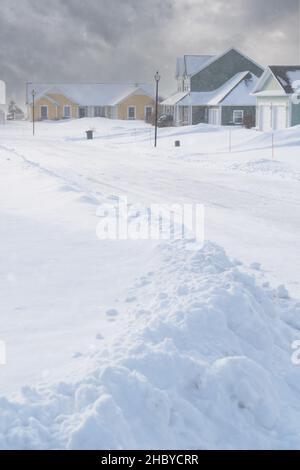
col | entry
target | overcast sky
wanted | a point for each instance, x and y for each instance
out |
(127, 40)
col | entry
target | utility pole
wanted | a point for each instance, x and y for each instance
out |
(33, 112)
(157, 79)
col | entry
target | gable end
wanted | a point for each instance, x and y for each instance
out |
(223, 69)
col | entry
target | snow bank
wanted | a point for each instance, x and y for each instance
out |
(203, 361)
(265, 167)
(289, 137)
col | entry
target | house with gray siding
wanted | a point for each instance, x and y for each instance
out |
(278, 98)
(214, 89)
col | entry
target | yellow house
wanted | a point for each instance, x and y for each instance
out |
(73, 101)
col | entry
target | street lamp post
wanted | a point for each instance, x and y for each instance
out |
(33, 112)
(157, 79)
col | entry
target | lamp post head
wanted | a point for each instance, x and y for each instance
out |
(157, 77)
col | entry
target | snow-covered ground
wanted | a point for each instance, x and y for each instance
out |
(144, 344)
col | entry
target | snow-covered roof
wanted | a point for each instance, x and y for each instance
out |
(288, 77)
(241, 95)
(227, 88)
(191, 64)
(95, 94)
(174, 99)
(235, 92)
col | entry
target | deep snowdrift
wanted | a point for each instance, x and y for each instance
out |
(203, 361)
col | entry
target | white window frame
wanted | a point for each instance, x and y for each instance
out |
(47, 107)
(234, 117)
(128, 117)
(70, 113)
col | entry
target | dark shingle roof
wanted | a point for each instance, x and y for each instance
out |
(286, 75)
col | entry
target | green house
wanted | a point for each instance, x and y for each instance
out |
(214, 90)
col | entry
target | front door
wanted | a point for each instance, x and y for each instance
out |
(214, 116)
(44, 113)
(82, 112)
(148, 113)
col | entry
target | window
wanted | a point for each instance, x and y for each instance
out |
(186, 84)
(99, 111)
(44, 112)
(238, 117)
(67, 112)
(131, 112)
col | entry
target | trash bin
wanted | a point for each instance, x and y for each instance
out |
(89, 135)
(177, 143)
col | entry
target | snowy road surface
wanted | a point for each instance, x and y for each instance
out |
(66, 296)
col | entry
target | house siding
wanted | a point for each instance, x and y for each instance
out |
(52, 109)
(227, 113)
(63, 101)
(272, 84)
(219, 72)
(139, 102)
(54, 112)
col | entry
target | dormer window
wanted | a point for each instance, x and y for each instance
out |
(180, 84)
(186, 84)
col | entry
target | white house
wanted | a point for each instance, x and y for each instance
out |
(2, 102)
(277, 97)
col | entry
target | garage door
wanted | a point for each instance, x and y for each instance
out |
(279, 117)
(265, 118)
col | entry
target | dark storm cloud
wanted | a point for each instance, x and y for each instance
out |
(127, 40)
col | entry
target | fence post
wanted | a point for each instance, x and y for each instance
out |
(230, 140)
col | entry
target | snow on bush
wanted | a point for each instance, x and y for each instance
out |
(202, 361)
